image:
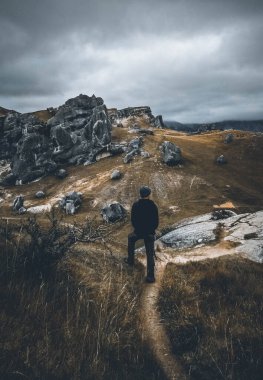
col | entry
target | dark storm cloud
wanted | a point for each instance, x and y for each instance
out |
(191, 60)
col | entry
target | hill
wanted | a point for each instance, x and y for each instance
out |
(241, 125)
(70, 308)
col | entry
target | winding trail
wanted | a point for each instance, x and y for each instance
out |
(152, 326)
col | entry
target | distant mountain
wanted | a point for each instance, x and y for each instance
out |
(242, 125)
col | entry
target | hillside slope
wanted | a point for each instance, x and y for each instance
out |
(189, 189)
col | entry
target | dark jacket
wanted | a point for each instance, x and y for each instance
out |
(144, 217)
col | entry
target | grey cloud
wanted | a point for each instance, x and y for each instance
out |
(189, 60)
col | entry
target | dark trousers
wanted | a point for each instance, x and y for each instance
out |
(149, 247)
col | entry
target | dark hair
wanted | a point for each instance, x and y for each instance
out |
(145, 191)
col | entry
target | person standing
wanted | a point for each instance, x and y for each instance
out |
(145, 220)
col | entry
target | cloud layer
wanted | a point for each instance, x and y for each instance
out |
(190, 60)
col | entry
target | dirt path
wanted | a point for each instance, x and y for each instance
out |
(153, 328)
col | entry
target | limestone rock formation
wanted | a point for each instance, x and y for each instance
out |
(133, 149)
(171, 153)
(71, 202)
(77, 133)
(244, 231)
(18, 203)
(113, 212)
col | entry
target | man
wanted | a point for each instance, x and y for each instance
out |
(145, 220)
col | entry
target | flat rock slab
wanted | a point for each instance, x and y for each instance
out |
(245, 231)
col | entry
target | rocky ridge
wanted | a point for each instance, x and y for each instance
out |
(79, 132)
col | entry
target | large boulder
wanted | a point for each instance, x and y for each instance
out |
(171, 153)
(71, 202)
(18, 203)
(113, 212)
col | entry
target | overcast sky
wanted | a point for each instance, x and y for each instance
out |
(189, 60)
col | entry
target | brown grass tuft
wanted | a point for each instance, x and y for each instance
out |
(213, 314)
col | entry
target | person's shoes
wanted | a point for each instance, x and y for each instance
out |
(127, 261)
(150, 279)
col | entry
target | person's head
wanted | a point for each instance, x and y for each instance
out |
(145, 192)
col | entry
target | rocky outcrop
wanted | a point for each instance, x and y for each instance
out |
(116, 116)
(18, 204)
(113, 212)
(133, 149)
(71, 202)
(171, 153)
(135, 111)
(244, 232)
(158, 122)
(77, 133)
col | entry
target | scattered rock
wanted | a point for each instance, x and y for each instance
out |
(39, 209)
(22, 210)
(40, 194)
(145, 154)
(145, 131)
(113, 212)
(221, 160)
(222, 214)
(61, 174)
(18, 203)
(229, 138)
(71, 202)
(171, 153)
(129, 156)
(116, 174)
(116, 149)
(135, 143)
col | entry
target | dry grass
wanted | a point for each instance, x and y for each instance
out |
(78, 321)
(213, 314)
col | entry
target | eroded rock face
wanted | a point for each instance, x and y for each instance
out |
(77, 132)
(113, 212)
(171, 153)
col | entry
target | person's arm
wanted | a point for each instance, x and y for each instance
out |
(133, 217)
(156, 217)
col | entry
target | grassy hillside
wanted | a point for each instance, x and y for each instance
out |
(213, 314)
(79, 318)
(75, 316)
(191, 189)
